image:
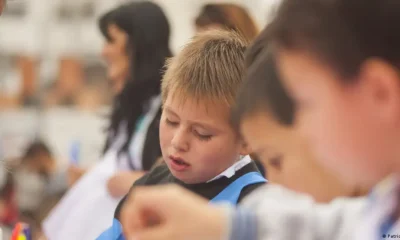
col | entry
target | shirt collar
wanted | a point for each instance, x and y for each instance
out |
(385, 188)
(229, 172)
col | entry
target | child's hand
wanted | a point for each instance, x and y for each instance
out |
(119, 184)
(171, 213)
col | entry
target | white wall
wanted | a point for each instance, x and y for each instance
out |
(39, 32)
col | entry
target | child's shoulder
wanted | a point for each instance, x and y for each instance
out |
(155, 176)
(249, 189)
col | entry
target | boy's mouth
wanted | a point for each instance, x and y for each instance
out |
(178, 164)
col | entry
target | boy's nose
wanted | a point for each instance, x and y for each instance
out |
(179, 141)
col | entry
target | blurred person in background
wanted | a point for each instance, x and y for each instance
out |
(135, 59)
(37, 180)
(137, 45)
(228, 16)
(37, 177)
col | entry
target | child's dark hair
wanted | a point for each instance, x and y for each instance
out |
(340, 33)
(262, 90)
(37, 147)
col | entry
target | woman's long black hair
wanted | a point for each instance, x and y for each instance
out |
(148, 33)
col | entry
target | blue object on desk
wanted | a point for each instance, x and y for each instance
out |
(74, 153)
(113, 233)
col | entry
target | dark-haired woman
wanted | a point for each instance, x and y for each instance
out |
(137, 46)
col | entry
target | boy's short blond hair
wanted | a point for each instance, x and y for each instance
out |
(210, 67)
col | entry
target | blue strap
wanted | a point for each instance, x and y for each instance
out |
(112, 233)
(232, 192)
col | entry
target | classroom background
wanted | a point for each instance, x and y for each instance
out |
(53, 82)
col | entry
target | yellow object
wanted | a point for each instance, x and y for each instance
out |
(21, 237)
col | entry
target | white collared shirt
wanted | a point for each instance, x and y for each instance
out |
(229, 172)
(382, 202)
(139, 137)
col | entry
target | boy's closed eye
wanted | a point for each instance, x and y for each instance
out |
(202, 136)
(171, 122)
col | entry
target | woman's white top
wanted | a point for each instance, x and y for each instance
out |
(87, 209)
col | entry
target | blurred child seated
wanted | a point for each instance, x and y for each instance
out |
(37, 179)
(269, 131)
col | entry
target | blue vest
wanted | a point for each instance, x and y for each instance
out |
(230, 194)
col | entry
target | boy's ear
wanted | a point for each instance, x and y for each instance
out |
(383, 83)
(244, 149)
